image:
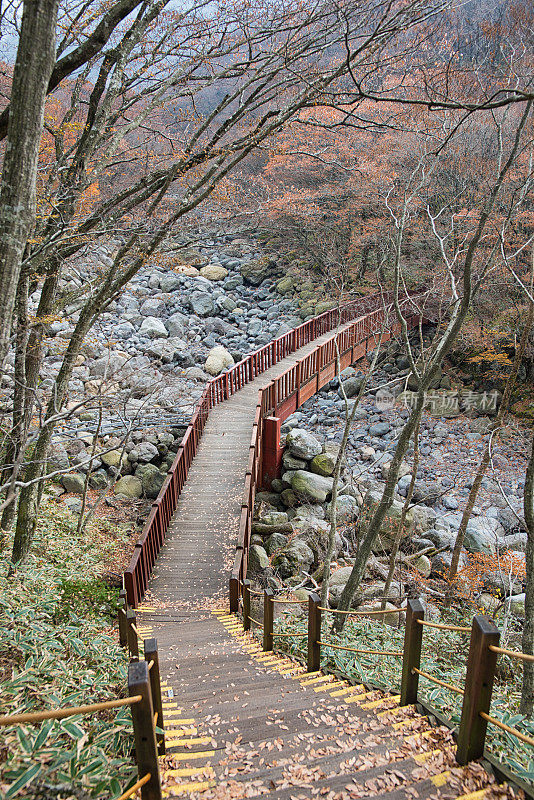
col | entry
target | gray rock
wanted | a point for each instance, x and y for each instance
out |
(274, 518)
(380, 429)
(152, 481)
(144, 452)
(129, 486)
(153, 328)
(258, 559)
(218, 360)
(291, 463)
(351, 387)
(123, 330)
(295, 557)
(483, 535)
(152, 307)
(347, 508)
(58, 458)
(73, 482)
(276, 541)
(303, 444)
(201, 303)
(516, 541)
(177, 324)
(108, 365)
(310, 486)
(169, 282)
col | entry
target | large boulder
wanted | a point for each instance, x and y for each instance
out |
(258, 559)
(58, 458)
(169, 282)
(484, 535)
(303, 444)
(152, 307)
(295, 557)
(108, 365)
(177, 324)
(201, 304)
(214, 272)
(73, 482)
(218, 360)
(255, 271)
(323, 464)
(129, 486)
(310, 486)
(276, 541)
(351, 387)
(153, 328)
(111, 458)
(347, 508)
(152, 480)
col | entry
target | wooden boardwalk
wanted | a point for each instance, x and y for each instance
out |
(240, 723)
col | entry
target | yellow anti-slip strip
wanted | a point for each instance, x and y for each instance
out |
(394, 710)
(193, 756)
(441, 779)
(190, 786)
(187, 772)
(353, 698)
(328, 686)
(184, 742)
(420, 758)
(309, 674)
(391, 698)
(181, 731)
(473, 795)
(347, 690)
(321, 679)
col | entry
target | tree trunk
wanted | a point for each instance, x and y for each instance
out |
(33, 67)
(527, 642)
(405, 507)
(366, 546)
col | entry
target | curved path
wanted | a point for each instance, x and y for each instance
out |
(241, 723)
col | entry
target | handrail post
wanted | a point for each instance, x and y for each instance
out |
(246, 605)
(123, 625)
(133, 641)
(413, 640)
(481, 664)
(314, 632)
(234, 595)
(268, 619)
(152, 655)
(146, 751)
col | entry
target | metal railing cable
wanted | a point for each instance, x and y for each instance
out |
(429, 677)
(356, 650)
(137, 785)
(498, 724)
(63, 713)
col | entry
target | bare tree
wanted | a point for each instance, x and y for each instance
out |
(457, 257)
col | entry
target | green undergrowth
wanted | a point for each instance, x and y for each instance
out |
(58, 648)
(444, 655)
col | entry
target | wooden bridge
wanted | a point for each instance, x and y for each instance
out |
(240, 720)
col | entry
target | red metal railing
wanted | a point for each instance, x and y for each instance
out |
(287, 391)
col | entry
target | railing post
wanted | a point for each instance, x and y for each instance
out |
(146, 752)
(246, 605)
(234, 595)
(268, 619)
(123, 625)
(151, 655)
(133, 641)
(314, 632)
(413, 640)
(479, 679)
